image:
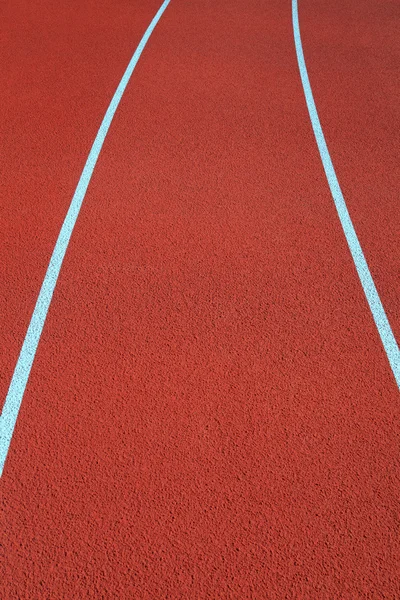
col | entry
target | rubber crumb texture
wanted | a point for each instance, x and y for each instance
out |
(211, 414)
(61, 66)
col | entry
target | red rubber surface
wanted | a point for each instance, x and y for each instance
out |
(210, 413)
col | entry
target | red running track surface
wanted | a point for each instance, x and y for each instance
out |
(210, 413)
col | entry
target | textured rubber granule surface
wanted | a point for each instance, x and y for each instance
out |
(210, 413)
(61, 65)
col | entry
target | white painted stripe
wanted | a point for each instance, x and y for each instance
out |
(23, 367)
(371, 293)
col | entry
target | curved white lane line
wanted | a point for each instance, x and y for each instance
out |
(371, 293)
(23, 367)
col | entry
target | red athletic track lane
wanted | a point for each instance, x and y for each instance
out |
(210, 413)
(61, 63)
(352, 50)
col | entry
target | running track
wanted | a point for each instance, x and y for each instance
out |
(211, 412)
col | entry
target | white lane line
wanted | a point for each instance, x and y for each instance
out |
(23, 367)
(371, 293)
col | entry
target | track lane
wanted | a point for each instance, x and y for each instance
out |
(216, 428)
(62, 64)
